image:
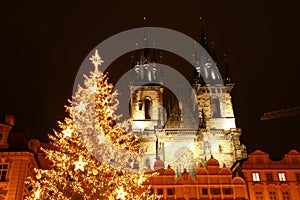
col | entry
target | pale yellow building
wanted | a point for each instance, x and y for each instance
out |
(18, 157)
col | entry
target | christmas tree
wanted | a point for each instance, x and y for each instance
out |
(92, 154)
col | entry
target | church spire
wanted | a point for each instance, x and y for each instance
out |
(214, 54)
(227, 77)
(204, 42)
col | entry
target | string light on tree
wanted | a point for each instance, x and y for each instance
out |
(81, 107)
(121, 194)
(96, 60)
(80, 165)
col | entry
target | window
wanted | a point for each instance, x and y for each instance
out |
(220, 149)
(1, 136)
(285, 196)
(3, 172)
(272, 195)
(269, 177)
(140, 105)
(298, 177)
(215, 107)
(147, 109)
(171, 191)
(255, 176)
(160, 191)
(259, 196)
(227, 191)
(215, 191)
(147, 162)
(204, 191)
(281, 176)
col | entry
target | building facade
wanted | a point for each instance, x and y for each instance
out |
(19, 155)
(210, 182)
(184, 134)
(272, 180)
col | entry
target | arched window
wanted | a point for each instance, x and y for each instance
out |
(147, 108)
(215, 107)
(147, 162)
(184, 159)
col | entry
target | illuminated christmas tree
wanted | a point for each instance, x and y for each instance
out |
(91, 153)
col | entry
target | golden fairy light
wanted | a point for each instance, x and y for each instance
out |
(75, 172)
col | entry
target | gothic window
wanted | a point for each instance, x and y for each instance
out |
(269, 177)
(184, 160)
(215, 107)
(136, 165)
(147, 108)
(140, 105)
(255, 176)
(281, 176)
(147, 162)
(220, 149)
(3, 172)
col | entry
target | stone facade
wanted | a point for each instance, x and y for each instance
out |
(181, 133)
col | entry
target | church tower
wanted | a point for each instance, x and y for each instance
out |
(218, 135)
(155, 118)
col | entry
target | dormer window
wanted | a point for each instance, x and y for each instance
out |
(281, 176)
(255, 176)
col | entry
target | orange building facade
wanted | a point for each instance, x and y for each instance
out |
(261, 179)
(272, 180)
(210, 182)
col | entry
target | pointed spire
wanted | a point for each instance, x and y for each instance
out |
(204, 42)
(227, 77)
(214, 54)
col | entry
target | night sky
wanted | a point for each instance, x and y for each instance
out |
(42, 45)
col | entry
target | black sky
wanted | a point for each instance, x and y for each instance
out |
(42, 45)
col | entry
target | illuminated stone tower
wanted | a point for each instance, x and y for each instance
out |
(156, 119)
